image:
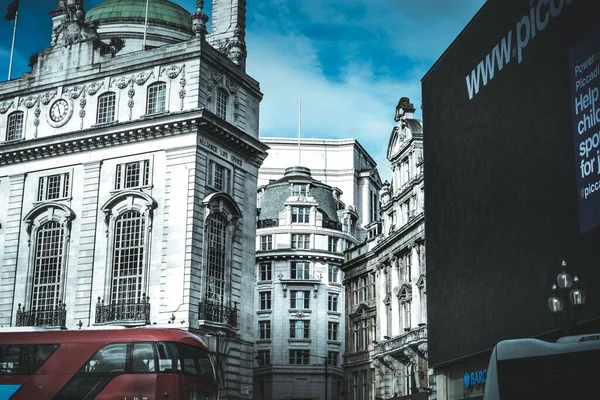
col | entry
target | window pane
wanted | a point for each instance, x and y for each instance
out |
(15, 126)
(128, 258)
(48, 265)
(106, 108)
(110, 358)
(157, 96)
(168, 357)
(143, 358)
(216, 241)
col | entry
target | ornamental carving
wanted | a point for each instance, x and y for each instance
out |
(231, 86)
(75, 91)
(29, 102)
(173, 71)
(142, 77)
(47, 97)
(94, 87)
(5, 106)
(121, 82)
(216, 76)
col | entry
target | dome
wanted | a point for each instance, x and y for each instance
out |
(160, 12)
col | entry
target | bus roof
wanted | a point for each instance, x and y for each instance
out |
(524, 348)
(38, 335)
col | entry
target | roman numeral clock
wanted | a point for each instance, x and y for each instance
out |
(59, 113)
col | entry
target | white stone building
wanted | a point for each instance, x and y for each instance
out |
(124, 173)
(303, 229)
(386, 337)
(341, 163)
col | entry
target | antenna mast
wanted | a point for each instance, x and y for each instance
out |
(299, 128)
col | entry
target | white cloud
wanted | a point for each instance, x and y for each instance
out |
(359, 105)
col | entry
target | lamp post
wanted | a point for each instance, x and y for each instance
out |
(326, 363)
(218, 375)
(567, 297)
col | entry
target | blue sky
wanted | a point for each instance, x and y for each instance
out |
(348, 60)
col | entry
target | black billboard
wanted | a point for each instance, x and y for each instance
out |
(512, 178)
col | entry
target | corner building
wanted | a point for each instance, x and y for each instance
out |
(303, 228)
(125, 160)
(385, 281)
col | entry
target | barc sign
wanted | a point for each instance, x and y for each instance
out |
(474, 378)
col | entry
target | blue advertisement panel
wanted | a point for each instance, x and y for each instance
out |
(584, 59)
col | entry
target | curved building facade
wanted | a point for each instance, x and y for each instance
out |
(302, 230)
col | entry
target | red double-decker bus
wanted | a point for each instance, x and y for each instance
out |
(115, 364)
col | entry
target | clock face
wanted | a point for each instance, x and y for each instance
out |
(59, 110)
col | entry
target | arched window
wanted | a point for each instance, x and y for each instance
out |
(221, 109)
(128, 258)
(14, 128)
(157, 98)
(47, 266)
(106, 108)
(217, 255)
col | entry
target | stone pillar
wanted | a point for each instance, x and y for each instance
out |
(394, 271)
(383, 331)
(415, 316)
(228, 29)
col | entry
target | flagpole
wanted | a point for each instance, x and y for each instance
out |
(145, 25)
(12, 48)
(299, 129)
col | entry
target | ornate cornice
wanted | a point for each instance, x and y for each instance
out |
(135, 131)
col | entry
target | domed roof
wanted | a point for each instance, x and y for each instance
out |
(160, 12)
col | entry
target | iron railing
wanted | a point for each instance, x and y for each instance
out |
(133, 311)
(215, 312)
(44, 316)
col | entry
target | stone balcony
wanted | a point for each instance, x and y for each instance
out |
(405, 346)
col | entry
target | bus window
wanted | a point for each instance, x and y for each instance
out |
(143, 358)
(24, 359)
(110, 358)
(168, 357)
(196, 361)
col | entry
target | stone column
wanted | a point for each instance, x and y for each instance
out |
(394, 271)
(382, 309)
(415, 316)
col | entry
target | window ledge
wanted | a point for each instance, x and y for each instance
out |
(293, 340)
(334, 313)
(302, 310)
(158, 114)
(336, 342)
(264, 311)
(268, 282)
(104, 124)
(37, 202)
(263, 341)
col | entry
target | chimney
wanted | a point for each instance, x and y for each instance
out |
(228, 29)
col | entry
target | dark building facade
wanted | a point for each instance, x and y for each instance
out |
(511, 180)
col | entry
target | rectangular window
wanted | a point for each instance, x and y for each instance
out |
(365, 333)
(219, 177)
(265, 271)
(299, 189)
(356, 336)
(300, 270)
(355, 386)
(221, 110)
(54, 187)
(301, 215)
(300, 299)
(266, 242)
(23, 358)
(333, 271)
(299, 357)
(299, 329)
(373, 285)
(106, 108)
(300, 241)
(332, 330)
(133, 174)
(264, 330)
(332, 358)
(264, 357)
(157, 98)
(332, 244)
(364, 289)
(374, 328)
(332, 302)
(265, 300)
(355, 292)
(373, 206)
(14, 130)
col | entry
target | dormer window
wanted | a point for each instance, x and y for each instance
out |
(299, 189)
(300, 215)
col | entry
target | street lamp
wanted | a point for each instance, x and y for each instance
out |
(567, 297)
(218, 375)
(326, 363)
